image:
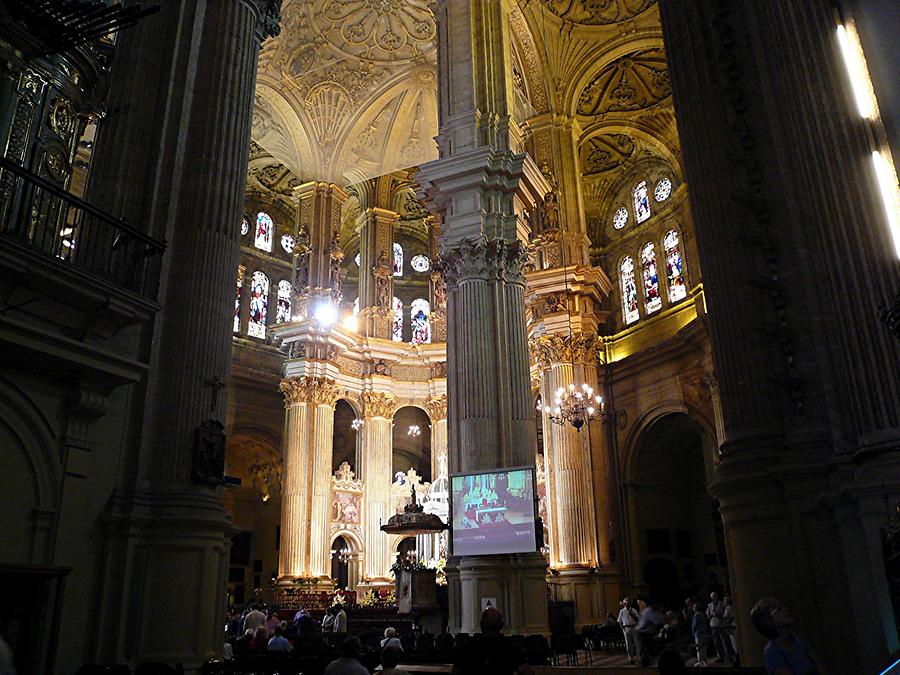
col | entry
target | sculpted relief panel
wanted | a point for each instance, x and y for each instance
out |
(597, 12)
(633, 82)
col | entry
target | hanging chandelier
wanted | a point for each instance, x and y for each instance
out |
(414, 430)
(575, 406)
(344, 555)
(356, 424)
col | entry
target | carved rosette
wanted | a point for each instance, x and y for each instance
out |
(487, 259)
(315, 391)
(378, 404)
(554, 349)
(437, 408)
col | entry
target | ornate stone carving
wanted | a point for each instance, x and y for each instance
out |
(554, 349)
(376, 30)
(62, 118)
(437, 408)
(378, 404)
(315, 391)
(208, 459)
(269, 18)
(439, 369)
(411, 373)
(345, 479)
(633, 82)
(606, 152)
(486, 259)
(594, 13)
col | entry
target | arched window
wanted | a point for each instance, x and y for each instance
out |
(629, 291)
(420, 310)
(259, 305)
(674, 267)
(237, 303)
(398, 260)
(283, 311)
(397, 333)
(641, 202)
(652, 299)
(356, 306)
(620, 218)
(264, 228)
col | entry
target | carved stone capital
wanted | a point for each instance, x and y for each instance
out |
(486, 259)
(378, 404)
(316, 391)
(268, 14)
(548, 350)
(437, 408)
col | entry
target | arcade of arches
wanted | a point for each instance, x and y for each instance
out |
(395, 231)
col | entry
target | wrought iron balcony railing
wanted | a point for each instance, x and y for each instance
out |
(47, 219)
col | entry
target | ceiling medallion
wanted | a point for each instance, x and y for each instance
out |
(633, 82)
(597, 12)
(376, 30)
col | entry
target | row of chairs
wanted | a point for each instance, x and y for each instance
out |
(609, 639)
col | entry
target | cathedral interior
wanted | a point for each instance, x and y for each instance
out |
(274, 273)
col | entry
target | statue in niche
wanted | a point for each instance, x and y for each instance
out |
(555, 303)
(440, 290)
(336, 273)
(550, 208)
(380, 367)
(382, 290)
(301, 277)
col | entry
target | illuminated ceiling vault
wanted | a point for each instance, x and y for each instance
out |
(348, 90)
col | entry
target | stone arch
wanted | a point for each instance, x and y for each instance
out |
(33, 471)
(288, 140)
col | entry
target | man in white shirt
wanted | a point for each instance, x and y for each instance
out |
(628, 620)
(715, 612)
(254, 620)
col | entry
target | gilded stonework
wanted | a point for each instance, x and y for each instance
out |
(633, 82)
(555, 349)
(592, 13)
(315, 391)
(378, 404)
(437, 408)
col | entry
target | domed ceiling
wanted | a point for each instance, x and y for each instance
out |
(347, 90)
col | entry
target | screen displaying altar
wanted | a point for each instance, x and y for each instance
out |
(493, 512)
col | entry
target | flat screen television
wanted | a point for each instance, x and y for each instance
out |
(493, 512)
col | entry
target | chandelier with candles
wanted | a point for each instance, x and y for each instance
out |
(575, 406)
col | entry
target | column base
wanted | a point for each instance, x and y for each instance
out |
(593, 591)
(515, 584)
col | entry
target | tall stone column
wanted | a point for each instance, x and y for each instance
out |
(318, 254)
(376, 251)
(481, 187)
(809, 379)
(378, 413)
(306, 487)
(171, 158)
(437, 413)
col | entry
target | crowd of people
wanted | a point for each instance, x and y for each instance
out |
(257, 629)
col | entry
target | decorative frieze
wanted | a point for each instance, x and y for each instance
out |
(411, 373)
(578, 348)
(487, 259)
(316, 391)
(378, 404)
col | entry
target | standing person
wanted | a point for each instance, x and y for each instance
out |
(254, 620)
(328, 620)
(649, 625)
(700, 633)
(348, 663)
(340, 620)
(715, 612)
(785, 653)
(628, 620)
(729, 625)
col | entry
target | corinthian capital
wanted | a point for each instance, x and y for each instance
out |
(552, 349)
(486, 259)
(268, 13)
(316, 391)
(437, 408)
(378, 404)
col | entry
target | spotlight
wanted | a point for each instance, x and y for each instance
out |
(326, 313)
(350, 322)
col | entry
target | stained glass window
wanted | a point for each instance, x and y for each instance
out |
(264, 227)
(420, 263)
(287, 243)
(398, 260)
(283, 311)
(397, 333)
(662, 190)
(652, 299)
(259, 305)
(419, 312)
(629, 291)
(245, 226)
(620, 218)
(237, 302)
(674, 267)
(641, 202)
(358, 258)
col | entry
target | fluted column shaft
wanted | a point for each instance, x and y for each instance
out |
(320, 507)
(378, 412)
(294, 545)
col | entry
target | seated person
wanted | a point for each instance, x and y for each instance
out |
(490, 652)
(391, 639)
(390, 657)
(279, 643)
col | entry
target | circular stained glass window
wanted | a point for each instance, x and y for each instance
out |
(620, 218)
(287, 243)
(420, 263)
(245, 226)
(662, 190)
